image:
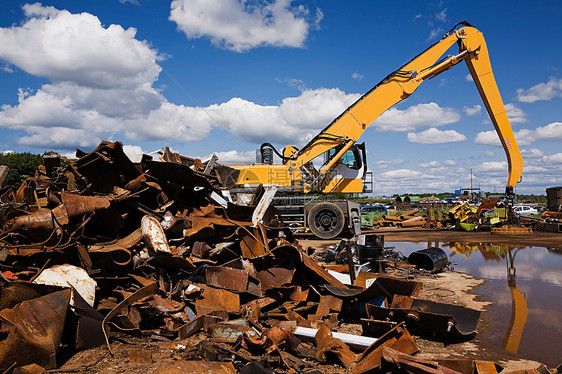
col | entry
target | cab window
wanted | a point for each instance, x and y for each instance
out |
(351, 158)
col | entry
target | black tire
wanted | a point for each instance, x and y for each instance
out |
(326, 220)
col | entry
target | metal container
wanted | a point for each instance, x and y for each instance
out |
(431, 259)
(369, 247)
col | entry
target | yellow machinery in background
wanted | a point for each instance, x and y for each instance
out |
(343, 162)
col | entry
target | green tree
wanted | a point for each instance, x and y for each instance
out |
(22, 166)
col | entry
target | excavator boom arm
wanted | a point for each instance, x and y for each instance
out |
(345, 130)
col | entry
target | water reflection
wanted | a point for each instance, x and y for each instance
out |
(524, 284)
(519, 311)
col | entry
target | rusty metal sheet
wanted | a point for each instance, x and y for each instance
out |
(166, 305)
(41, 219)
(214, 299)
(77, 204)
(253, 309)
(15, 292)
(200, 323)
(298, 294)
(227, 278)
(200, 249)
(142, 293)
(325, 343)
(430, 315)
(275, 277)
(29, 369)
(34, 330)
(230, 332)
(395, 360)
(154, 235)
(398, 338)
(251, 242)
(89, 332)
(182, 367)
(313, 266)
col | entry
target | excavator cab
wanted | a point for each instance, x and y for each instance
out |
(351, 169)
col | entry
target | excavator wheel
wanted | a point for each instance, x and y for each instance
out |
(326, 220)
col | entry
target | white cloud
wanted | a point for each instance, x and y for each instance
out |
(236, 156)
(442, 15)
(515, 114)
(450, 162)
(542, 91)
(241, 25)
(420, 115)
(552, 131)
(103, 86)
(532, 153)
(429, 164)
(524, 137)
(435, 33)
(382, 164)
(402, 174)
(469, 78)
(477, 109)
(357, 76)
(553, 159)
(435, 136)
(314, 109)
(492, 166)
(62, 46)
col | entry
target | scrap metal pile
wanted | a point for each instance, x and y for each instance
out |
(104, 247)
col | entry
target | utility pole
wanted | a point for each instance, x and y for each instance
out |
(471, 192)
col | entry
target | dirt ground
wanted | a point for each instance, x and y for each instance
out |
(449, 286)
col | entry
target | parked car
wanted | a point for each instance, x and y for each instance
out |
(374, 209)
(524, 210)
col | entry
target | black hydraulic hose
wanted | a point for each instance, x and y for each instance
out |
(283, 158)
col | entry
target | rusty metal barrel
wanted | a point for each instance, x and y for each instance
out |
(432, 259)
(369, 248)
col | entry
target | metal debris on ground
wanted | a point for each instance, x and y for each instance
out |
(105, 248)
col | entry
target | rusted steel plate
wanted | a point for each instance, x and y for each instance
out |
(395, 360)
(227, 278)
(325, 342)
(15, 292)
(125, 243)
(41, 219)
(230, 332)
(275, 277)
(251, 242)
(313, 266)
(34, 330)
(430, 315)
(214, 299)
(182, 367)
(77, 204)
(200, 323)
(142, 293)
(398, 338)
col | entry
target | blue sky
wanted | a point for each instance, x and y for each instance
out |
(224, 76)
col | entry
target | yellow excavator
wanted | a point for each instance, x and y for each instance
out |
(343, 166)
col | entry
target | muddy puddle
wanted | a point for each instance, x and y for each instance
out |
(525, 286)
